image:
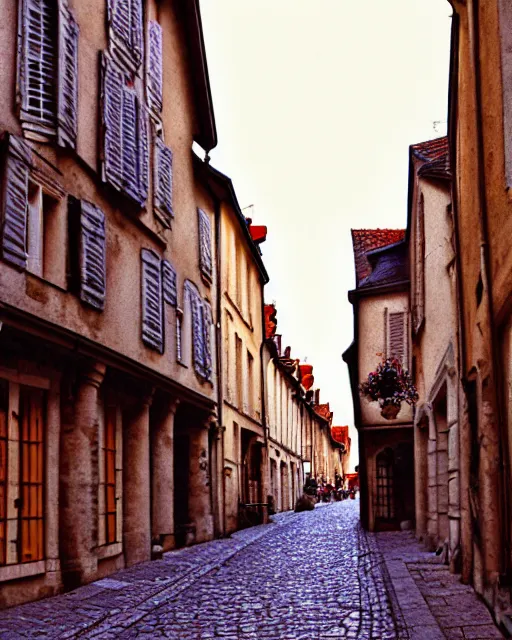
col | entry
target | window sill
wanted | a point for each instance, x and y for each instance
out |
(43, 280)
(239, 312)
(109, 550)
(18, 571)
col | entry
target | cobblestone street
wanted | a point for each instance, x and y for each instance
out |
(309, 576)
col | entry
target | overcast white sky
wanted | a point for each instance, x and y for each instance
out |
(316, 103)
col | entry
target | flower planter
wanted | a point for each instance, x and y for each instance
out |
(390, 410)
(389, 385)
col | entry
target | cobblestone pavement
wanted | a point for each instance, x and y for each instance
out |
(433, 603)
(309, 576)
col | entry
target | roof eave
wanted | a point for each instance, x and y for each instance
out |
(206, 137)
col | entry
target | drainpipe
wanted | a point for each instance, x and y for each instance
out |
(491, 481)
(220, 518)
(466, 540)
(265, 489)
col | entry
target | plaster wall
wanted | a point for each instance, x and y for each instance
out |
(435, 347)
(118, 327)
(242, 323)
(372, 344)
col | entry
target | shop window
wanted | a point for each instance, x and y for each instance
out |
(22, 472)
(110, 470)
(31, 474)
(4, 406)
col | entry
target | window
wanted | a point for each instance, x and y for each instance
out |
(125, 22)
(179, 318)
(162, 170)
(109, 473)
(419, 274)
(48, 71)
(238, 283)
(201, 321)
(4, 410)
(205, 246)
(385, 498)
(125, 127)
(396, 336)
(250, 384)
(154, 71)
(249, 285)
(152, 321)
(21, 473)
(239, 371)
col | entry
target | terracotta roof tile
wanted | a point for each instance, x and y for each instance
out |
(365, 240)
(436, 156)
(324, 411)
(340, 434)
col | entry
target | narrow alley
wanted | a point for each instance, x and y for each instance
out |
(309, 576)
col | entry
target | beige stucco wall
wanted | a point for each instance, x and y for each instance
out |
(118, 327)
(372, 310)
(242, 316)
(435, 347)
(440, 305)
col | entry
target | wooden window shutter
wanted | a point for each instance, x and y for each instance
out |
(205, 245)
(92, 255)
(37, 66)
(169, 285)
(197, 330)
(207, 325)
(125, 19)
(143, 155)
(154, 74)
(113, 85)
(152, 323)
(163, 181)
(68, 78)
(130, 146)
(15, 204)
(397, 337)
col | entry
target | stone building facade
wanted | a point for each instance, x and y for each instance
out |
(242, 461)
(434, 348)
(107, 290)
(298, 428)
(479, 133)
(381, 328)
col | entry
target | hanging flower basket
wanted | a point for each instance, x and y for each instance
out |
(389, 385)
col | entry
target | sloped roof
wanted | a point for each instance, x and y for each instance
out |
(431, 149)
(340, 434)
(324, 411)
(436, 157)
(366, 240)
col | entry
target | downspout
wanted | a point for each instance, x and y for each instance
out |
(495, 533)
(265, 488)
(464, 443)
(218, 344)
